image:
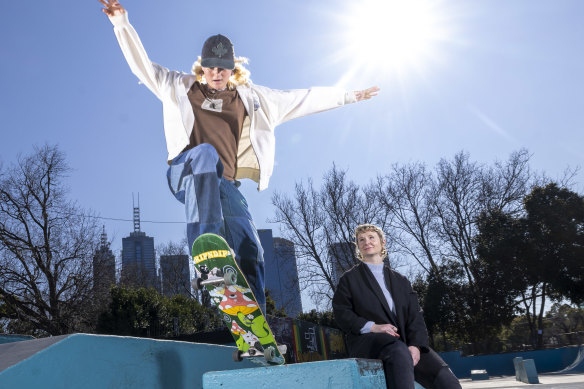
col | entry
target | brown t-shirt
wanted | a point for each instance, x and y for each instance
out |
(219, 119)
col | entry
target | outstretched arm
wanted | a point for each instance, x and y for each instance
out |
(154, 76)
(282, 106)
(366, 94)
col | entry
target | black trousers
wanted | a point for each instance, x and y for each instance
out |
(431, 371)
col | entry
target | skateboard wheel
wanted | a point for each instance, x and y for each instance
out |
(269, 354)
(197, 283)
(237, 355)
(230, 278)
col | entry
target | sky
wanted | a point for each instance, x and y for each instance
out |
(487, 77)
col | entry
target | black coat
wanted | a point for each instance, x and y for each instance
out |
(359, 299)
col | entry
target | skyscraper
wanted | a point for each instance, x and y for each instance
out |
(138, 257)
(281, 273)
(175, 275)
(104, 267)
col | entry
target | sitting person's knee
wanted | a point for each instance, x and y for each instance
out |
(394, 351)
(445, 379)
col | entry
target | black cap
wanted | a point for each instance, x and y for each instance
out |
(218, 52)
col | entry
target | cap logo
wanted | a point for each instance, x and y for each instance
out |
(219, 50)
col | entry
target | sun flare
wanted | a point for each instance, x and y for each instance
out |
(392, 36)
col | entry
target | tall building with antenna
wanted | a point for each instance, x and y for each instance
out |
(138, 256)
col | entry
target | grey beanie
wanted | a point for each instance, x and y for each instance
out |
(218, 52)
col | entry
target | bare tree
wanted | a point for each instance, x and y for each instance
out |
(406, 193)
(458, 201)
(321, 224)
(463, 189)
(303, 223)
(46, 246)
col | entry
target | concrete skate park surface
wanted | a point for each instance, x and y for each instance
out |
(546, 361)
(101, 361)
(547, 381)
(570, 377)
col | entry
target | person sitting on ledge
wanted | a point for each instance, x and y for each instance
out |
(379, 312)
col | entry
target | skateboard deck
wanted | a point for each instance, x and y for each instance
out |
(231, 294)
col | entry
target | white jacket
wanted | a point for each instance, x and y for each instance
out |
(266, 108)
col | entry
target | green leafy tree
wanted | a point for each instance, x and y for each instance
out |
(326, 318)
(555, 253)
(443, 301)
(191, 316)
(555, 224)
(147, 313)
(536, 257)
(566, 324)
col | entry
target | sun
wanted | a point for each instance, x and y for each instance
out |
(391, 36)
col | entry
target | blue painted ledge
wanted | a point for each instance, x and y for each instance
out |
(342, 373)
(99, 361)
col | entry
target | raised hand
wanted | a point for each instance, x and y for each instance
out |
(112, 7)
(365, 94)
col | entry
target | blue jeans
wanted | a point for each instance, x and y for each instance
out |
(214, 204)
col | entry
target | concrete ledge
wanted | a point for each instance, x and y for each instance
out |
(341, 373)
(530, 372)
(525, 371)
(518, 365)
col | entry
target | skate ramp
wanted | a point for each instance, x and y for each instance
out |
(575, 367)
(101, 361)
(12, 353)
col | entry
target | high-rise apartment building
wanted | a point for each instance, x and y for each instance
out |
(281, 273)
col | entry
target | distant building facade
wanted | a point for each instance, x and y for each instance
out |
(175, 275)
(281, 273)
(104, 267)
(342, 257)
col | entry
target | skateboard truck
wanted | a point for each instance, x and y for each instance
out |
(228, 278)
(268, 353)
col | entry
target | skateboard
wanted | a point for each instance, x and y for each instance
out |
(231, 294)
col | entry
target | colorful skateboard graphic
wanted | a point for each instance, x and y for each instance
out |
(231, 294)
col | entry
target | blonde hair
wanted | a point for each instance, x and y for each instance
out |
(369, 228)
(240, 75)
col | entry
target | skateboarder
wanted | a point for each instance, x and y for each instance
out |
(378, 310)
(219, 128)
